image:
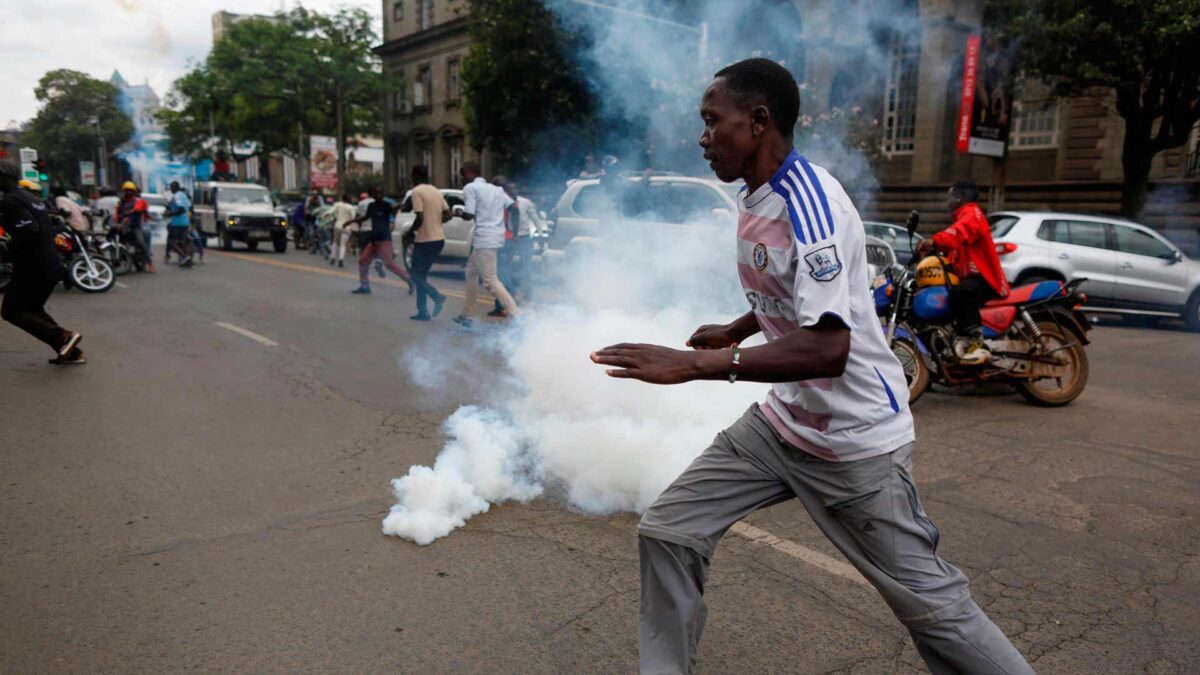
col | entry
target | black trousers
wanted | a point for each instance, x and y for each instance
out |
(25, 307)
(965, 300)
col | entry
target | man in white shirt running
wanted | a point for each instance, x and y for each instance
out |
(835, 431)
(343, 212)
(485, 204)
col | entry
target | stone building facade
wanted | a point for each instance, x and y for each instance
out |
(425, 42)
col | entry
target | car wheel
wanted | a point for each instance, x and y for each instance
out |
(280, 244)
(1192, 316)
(226, 239)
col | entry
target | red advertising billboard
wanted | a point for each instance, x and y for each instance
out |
(984, 109)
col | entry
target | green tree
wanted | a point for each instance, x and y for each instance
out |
(524, 97)
(1146, 52)
(275, 81)
(76, 111)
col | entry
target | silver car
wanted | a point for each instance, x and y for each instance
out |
(1131, 269)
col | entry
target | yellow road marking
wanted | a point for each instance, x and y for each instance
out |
(483, 300)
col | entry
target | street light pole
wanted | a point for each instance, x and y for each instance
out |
(702, 29)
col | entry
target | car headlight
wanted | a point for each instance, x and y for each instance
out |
(234, 220)
(283, 222)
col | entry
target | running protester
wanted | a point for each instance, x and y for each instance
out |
(36, 268)
(485, 204)
(378, 242)
(428, 239)
(343, 213)
(835, 430)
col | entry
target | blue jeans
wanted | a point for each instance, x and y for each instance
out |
(424, 254)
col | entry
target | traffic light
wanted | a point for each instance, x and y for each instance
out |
(41, 167)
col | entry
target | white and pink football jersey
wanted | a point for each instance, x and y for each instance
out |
(801, 256)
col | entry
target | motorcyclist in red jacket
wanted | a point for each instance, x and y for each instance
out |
(968, 243)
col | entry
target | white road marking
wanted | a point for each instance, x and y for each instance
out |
(814, 558)
(121, 285)
(248, 333)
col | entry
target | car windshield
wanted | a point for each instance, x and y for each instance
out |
(155, 200)
(244, 196)
(895, 236)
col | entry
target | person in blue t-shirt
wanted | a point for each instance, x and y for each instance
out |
(179, 222)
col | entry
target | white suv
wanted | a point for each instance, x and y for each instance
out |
(587, 208)
(1130, 268)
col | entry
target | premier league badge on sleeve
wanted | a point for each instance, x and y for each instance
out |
(824, 263)
(760, 256)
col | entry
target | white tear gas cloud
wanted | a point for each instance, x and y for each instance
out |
(559, 426)
(554, 424)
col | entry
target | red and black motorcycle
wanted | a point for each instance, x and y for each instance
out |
(1036, 335)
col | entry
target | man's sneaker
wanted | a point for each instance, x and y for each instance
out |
(379, 269)
(333, 262)
(362, 290)
(76, 358)
(187, 264)
(499, 313)
(72, 341)
(419, 317)
(971, 351)
(341, 263)
(463, 321)
(438, 303)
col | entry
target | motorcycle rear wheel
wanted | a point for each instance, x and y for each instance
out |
(1058, 391)
(916, 373)
(121, 260)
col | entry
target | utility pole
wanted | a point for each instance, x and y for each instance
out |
(341, 136)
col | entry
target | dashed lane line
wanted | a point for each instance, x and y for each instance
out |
(120, 284)
(247, 333)
(814, 558)
(483, 300)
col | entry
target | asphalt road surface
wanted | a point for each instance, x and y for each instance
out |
(206, 495)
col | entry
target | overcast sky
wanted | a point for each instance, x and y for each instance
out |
(147, 40)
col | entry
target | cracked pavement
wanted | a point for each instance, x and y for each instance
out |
(193, 500)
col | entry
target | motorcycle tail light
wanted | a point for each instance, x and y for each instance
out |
(1005, 247)
(62, 243)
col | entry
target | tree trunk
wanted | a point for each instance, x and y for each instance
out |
(1136, 156)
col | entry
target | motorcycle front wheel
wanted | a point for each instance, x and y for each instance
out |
(98, 279)
(916, 374)
(1054, 391)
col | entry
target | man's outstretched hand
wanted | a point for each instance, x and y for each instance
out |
(711, 336)
(648, 363)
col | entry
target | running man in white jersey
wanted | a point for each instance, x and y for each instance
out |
(835, 431)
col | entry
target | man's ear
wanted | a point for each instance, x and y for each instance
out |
(760, 119)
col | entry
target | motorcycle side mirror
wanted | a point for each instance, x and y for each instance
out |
(914, 218)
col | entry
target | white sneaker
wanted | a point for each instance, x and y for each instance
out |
(971, 351)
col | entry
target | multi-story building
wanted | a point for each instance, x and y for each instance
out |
(905, 68)
(425, 42)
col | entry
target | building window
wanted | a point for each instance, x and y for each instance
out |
(424, 14)
(1036, 126)
(401, 103)
(427, 156)
(398, 10)
(423, 88)
(452, 81)
(900, 95)
(454, 160)
(1193, 162)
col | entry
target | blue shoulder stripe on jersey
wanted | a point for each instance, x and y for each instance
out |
(743, 189)
(797, 210)
(810, 202)
(812, 176)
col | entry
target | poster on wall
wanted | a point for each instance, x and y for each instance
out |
(323, 171)
(985, 109)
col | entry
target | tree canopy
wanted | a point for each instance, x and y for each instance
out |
(275, 81)
(76, 111)
(524, 97)
(1143, 51)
